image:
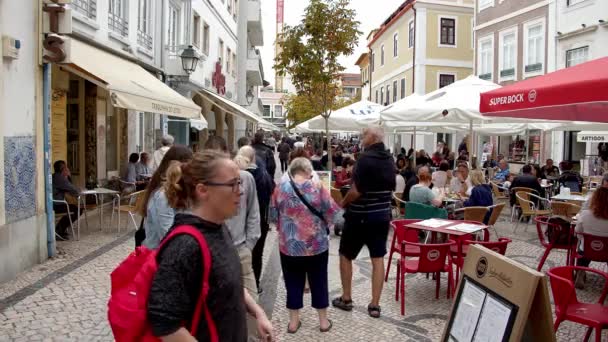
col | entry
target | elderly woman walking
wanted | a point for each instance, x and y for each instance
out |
(303, 211)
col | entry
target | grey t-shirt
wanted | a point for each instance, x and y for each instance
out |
(421, 194)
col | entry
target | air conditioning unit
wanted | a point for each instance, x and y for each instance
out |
(10, 47)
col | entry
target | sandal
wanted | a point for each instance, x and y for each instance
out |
(296, 330)
(328, 327)
(373, 311)
(340, 303)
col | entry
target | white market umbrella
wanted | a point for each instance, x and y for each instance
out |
(346, 119)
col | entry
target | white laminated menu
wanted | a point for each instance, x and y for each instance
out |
(433, 223)
(466, 227)
(467, 313)
(493, 321)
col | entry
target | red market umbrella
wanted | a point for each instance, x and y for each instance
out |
(578, 93)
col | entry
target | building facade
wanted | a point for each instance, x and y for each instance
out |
(582, 35)
(273, 108)
(422, 46)
(350, 86)
(363, 64)
(23, 225)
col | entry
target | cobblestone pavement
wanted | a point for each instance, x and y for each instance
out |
(64, 299)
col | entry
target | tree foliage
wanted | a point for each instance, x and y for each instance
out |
(309, 53)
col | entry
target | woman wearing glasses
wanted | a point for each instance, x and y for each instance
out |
(208, 185)
(303, 211)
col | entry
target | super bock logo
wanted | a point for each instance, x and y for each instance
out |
(532, 95)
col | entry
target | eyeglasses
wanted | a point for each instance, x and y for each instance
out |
(235, 184)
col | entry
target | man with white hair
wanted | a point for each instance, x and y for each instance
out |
(367, 218)
(166, 142)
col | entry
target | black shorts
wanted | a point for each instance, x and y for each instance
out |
(358, 233)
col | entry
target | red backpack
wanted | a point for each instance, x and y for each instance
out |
(131, 282)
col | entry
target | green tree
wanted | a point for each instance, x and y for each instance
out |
(310, 51)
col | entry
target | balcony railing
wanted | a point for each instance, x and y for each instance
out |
(534, 67)
(86, 7)
(487, 77)
(118, 24)
(144, 40)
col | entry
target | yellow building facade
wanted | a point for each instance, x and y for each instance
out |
(422, 46)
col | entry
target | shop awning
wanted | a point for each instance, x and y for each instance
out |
(267, 126)
(230, 107)
(577, 93)
(199, 124)
(129, 85)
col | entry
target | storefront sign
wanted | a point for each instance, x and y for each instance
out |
(53, 43)
(495, 101)
(219, 80)
(592, 137)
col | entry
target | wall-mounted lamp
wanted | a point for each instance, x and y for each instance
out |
(249, 96)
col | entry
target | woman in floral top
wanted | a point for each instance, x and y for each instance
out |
(304, 240)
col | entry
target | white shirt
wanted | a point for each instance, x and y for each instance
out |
(456, 186)
(298, 144)
(400, 181)
(158, 156)
(440, 179)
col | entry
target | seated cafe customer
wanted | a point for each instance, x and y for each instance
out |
(143, 168)
(62, 186)
(570, 178)
(131, 177)
(549, 170)
(422, 193)
(481, 194)
(461, 182)
(503, 172)
(442, 177)
(595, 222)
(526, 180)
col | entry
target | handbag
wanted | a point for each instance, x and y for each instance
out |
(312, 209)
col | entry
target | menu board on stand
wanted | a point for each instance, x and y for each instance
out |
(495, 300)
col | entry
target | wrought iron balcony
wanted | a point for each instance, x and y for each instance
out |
(507, 72)
(144, 40)
(534, 67)
(118, 24)
(487, 76)
(86, 7)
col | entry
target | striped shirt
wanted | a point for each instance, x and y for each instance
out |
(374, 177)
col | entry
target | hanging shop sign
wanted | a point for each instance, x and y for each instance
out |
(56, 21)
(592, 137)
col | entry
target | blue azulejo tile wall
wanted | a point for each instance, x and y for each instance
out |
(19, 178)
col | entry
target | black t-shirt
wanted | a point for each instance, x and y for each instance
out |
(177, 284)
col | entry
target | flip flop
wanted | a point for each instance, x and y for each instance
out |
(328, 327)
(296, 330)
(373, 311)
(340, 303)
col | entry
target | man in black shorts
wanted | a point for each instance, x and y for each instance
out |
(367, 217)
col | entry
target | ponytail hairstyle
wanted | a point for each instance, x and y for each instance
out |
(183, 177)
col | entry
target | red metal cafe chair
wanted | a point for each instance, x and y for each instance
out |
(433, 258)
(401, 233)
(567, 306)
(552, 236)
(499, 247)
(595, 248)
(469, 237)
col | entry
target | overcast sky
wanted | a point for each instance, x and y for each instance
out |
(370, 13)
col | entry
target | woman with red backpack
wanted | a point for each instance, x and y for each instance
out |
(209, 185)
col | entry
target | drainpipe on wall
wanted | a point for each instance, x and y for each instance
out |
(369, 73)
(48, 186)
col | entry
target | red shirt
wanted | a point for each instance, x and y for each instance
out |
(343, 178)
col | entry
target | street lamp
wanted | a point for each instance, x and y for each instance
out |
(249, 97)
(189, 59)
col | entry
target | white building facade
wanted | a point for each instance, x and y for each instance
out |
(581, 35)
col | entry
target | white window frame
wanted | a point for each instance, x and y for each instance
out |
(526, 28)
(480, 41)
(123, 8)
(411, 34)
(382, 96)
(274, 111)
(144, 24)
(455, 31)
(501, 36)
(395, 44)
(382, 55)
(448, 73)
(373, 61)
(388, 94)
(220, 54)
(473, 33)
(197, 30)
(570, 3)
(264, 111)
(206, 38)
(574, 49)
(173, 42)
(484, 4)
